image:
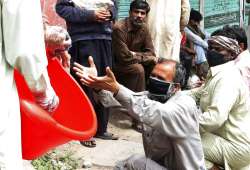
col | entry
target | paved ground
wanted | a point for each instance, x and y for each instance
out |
(107, 153)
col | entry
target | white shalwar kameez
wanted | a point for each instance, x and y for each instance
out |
(22, 46)
(165, 20)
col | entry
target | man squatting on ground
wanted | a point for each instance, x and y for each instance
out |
(224, 102)
(171, 135)
(133, 50)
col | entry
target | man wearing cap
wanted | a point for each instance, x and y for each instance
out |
(225, 105)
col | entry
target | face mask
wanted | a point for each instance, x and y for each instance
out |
(214, 58)
(159, 90)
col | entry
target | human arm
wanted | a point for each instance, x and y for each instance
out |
(217, 101)
(24, 47)
(166, 118)
(195, 38)
(147, 53)
(120, 48)
(74, 14)
(185, 12)
(171, 118)
(188, 47)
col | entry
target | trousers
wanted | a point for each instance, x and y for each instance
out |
(100, 50)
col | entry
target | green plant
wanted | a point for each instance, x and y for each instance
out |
(55, 161)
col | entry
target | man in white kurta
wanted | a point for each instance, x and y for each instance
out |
(243, 63)
(22, 47)
(165, 21)
(224, 101)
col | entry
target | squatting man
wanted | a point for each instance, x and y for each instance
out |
(170, 132)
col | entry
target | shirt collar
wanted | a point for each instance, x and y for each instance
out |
(217, 69)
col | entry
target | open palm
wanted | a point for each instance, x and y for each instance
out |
(88, 76)
(82, 71)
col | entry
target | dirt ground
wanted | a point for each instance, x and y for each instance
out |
(108, 152)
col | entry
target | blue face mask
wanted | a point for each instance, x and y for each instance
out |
(159, 90)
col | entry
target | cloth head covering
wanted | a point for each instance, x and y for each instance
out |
(227, 43)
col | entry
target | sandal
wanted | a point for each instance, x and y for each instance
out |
(107, 136)
(89, 143)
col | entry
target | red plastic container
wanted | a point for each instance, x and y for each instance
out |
(74, 119)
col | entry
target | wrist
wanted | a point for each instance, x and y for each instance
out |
(96, 90)
(115, 90)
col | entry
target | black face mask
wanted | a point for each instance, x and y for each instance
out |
(159, 90)
(214, 58)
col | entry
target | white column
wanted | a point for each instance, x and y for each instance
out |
(202, 11)
(242, 12)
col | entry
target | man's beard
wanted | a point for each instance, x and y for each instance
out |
(137, 22)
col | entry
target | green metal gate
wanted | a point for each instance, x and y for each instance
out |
(216, 12)
(123, 8)
(221, 12)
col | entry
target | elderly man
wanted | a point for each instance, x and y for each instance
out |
(243, 60)
(165, 21)
(170, 126)
(57, 41)
(22, 47)
(224, 102)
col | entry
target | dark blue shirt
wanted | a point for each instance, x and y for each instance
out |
(81, 22)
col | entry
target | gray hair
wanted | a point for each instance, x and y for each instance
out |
(55, 35)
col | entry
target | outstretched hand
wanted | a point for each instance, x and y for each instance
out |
(88, 76)
(82, 71)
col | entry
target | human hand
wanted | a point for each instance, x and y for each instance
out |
(64, 58)
(107, 82)
(102, 15)
(82, 71)
(48, 99)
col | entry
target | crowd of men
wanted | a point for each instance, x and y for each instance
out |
(187, 92)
